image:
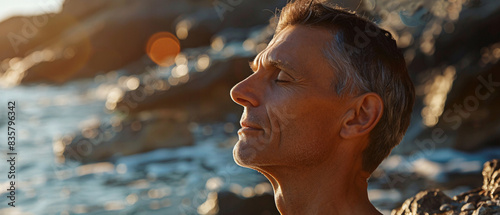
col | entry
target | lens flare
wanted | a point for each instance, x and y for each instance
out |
(162, 48)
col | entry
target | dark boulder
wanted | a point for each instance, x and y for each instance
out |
(484, 200)
(107, 40)
(199, 27)
(101, 142)
(23, 34)
(205, 96)
(468, 120)
(229, 204)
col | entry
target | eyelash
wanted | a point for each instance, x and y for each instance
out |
(278, 80)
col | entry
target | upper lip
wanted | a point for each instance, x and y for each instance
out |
(245, 124)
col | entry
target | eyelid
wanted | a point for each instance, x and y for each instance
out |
(254, 68)
(287, 77)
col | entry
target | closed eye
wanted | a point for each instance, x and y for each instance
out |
(283, 77)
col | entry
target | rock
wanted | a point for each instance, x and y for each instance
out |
(477, 130)
(425, 201)
(468, 129)
(101, 142)
(468, 207)
(480, 17)
(23, 34)
(472, 198)
(489, 203)
(491, 176)
(99, 44)
(464, 197)
(203, 96)
(229, 203)
(483, 200)
(201, 26)
(445, 207)
(483, 211)
(80, 9)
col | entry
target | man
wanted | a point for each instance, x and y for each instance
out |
(329, 98)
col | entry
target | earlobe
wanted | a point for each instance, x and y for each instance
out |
(363, 117)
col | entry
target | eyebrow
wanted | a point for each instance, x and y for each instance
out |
(275, 63)
(252, 65)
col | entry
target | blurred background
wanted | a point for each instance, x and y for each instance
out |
(123, 106)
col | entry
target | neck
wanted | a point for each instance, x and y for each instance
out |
(322, 189)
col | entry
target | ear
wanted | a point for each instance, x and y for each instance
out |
(363, 116)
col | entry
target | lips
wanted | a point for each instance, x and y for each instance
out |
(249, 125)
(248, 128)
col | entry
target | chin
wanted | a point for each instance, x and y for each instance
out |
(246, 155)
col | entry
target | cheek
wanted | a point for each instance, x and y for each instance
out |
(306, 116)
(313, 129)
(313, 117)
(307, 146)
(311, 135)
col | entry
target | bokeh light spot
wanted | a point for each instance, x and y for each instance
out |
(162, 48)
(217, 44)
(202, 63)
(133, 83)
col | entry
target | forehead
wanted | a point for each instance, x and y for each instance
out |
(300, 36)
(298, 46)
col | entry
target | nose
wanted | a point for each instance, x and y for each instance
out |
(245, 93)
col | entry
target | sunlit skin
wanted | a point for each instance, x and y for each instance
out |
(299, 133)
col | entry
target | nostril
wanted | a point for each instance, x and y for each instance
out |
(241, 101)
(237, 96)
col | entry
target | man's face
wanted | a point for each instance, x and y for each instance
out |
(292, 114)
